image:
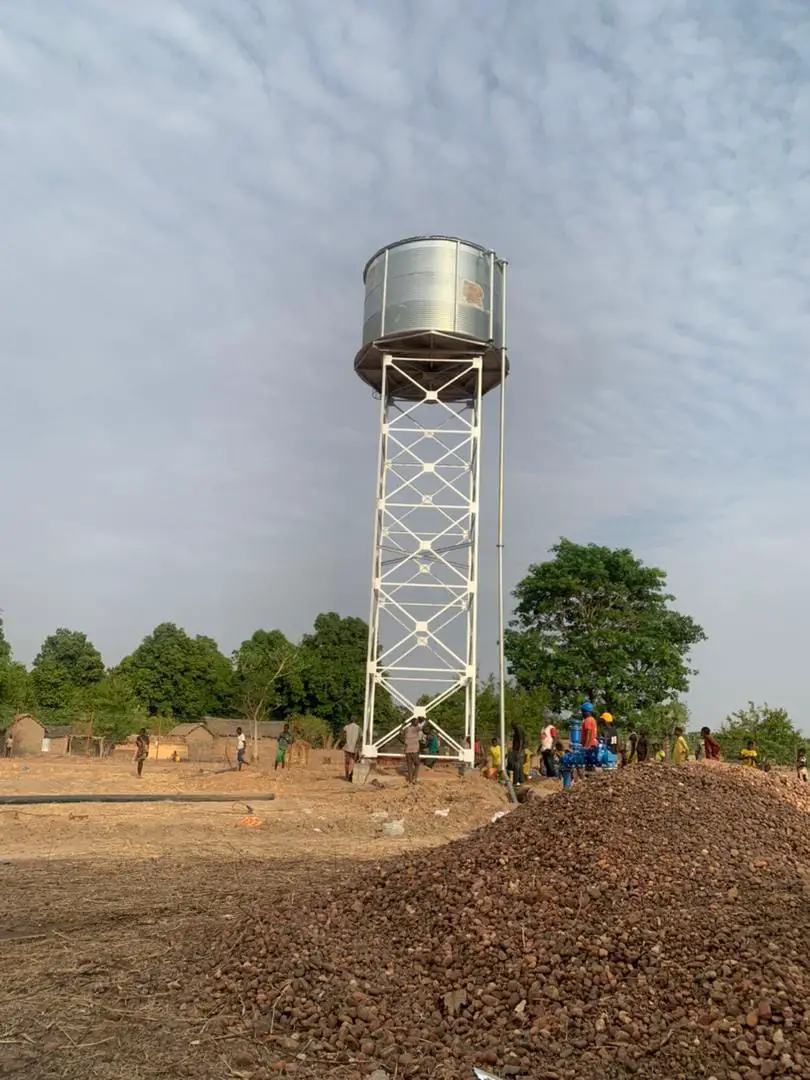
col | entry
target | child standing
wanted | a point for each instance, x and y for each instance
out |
(680, 751)
(562, 766)
(495, 754)
(711, 746)
(282, 746)
(749, 754)
(241, 746)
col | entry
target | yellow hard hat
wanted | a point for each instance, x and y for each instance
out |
(606, 716)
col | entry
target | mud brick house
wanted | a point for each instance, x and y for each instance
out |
(214, 738)
(31, 737)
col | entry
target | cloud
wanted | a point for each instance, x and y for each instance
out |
(191, 192)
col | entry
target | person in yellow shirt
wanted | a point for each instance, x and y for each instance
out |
(495, 754)
(749, 754)
(680, 751)
(527, 761)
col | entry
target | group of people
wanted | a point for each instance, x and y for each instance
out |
(283, 743)
(634, 749)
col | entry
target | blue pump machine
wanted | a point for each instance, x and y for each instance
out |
(576, 758)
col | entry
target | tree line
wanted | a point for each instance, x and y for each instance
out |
(589, 622)
(173, 677)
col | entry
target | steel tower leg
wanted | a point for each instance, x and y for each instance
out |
(424, 591)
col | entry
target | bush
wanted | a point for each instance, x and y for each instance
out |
(311, 729)
(771, 729)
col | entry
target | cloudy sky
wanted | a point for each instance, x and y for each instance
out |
(190, 192)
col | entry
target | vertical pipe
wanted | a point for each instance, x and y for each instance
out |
(374, 606)
(501, 445)
(472, 565)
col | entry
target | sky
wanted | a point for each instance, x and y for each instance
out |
(190, 193)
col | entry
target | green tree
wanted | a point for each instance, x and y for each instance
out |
(771, 729)
(525, 707)
(596, 621)
(312, 730)
(259, 664)
(5, 648)
(16, 690)
(331, 675)
(659, 722)
(112, 708)
(175, 674)
(66, 666)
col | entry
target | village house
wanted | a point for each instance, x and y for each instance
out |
(33, 737)
(214, 738)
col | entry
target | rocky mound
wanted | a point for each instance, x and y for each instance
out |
(653, 923)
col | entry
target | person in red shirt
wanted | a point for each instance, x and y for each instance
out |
(588, 733)
(710, 745)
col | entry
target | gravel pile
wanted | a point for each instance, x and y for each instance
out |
(651, 923)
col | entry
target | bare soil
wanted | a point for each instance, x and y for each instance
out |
(100, 901)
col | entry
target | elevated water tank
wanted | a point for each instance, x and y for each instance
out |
(432, 297)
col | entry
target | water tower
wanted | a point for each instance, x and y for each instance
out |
(434, 342)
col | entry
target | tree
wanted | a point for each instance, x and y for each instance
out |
(259, 664)
(67, 665)
(528, 708)
(658, 722)
(332, 673)
(311, 729)
(16, 690)
(771, 729)
(5, 648)
(174, 674)
(111, 708)
(596, 621)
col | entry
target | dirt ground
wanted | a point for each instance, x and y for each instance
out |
(100, 901)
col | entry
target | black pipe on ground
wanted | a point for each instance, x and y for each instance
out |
(40, 800)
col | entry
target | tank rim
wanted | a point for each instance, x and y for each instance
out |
(414, 239)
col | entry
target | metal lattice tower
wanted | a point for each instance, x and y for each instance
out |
(431, 379)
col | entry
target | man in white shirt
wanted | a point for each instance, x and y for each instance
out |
(241, 746)
(548, 736)
(350, 740)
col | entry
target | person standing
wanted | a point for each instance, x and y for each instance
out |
(588, 731)
(711, 746)
(749, 754)
(609, 733)
(548, 737)
(432, 746)
(241, 747)
(9, 749)
(642, 747)
(283, 744)
(350, 739)
(631, 749)
(801, 764)
(495, 755)
(141, 750)
(680, 749)
(411, 737)
(518, 750)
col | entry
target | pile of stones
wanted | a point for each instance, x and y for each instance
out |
(654, 922)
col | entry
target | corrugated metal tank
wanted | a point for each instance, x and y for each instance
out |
(435, 284)
(433, 296)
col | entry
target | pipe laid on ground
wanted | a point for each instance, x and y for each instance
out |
(39, 800)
